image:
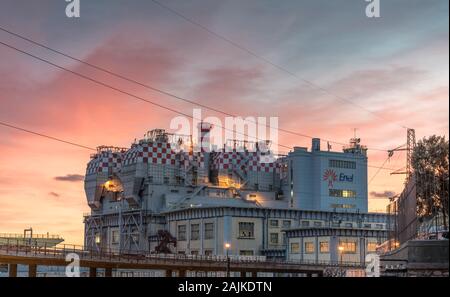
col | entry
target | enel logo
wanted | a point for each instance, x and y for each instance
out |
(345, 178)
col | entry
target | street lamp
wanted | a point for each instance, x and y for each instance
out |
(227, 248)
(341, 251)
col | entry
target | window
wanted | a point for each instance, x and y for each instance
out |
(371, 246)
(342, 164)
(195, 231)
(379, 226)
(295, 248)
(305, 223)
(115, 237)
(208, 252)
(97, 238)
(194, 252)
(274, 223)
(246, 253)
(150, 179)
(317, 224)
(209, 230)
(342, 193)
(135, 235)
(246, 230)
(182, 232)
(367, 225)
(274, 238)
(342, 205)
(349, 246)
(286, 224)
(309, 247)
(166, 179)
(324, 247)
(348, 225)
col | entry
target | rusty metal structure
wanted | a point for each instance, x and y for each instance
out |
(402, 219)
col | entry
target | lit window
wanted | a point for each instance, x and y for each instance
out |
(295, 248)
(342, 193)
(97, 238)
(349, 246)
(246, 230)
(371, 246)
(324, 247)
(309, 247)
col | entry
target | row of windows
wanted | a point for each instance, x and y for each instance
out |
(275, 223)
(195, 231)
(342, 164)
(209, 252)
(247, 230)
(342, 206)
(342, 193)
(348, 247)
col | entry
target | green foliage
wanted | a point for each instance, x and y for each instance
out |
(430, 161)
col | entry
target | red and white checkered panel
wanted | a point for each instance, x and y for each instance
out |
(130, 156)
(260, 162)
(281, 168)
(190, 158)
(103, 161)
(151, 152)
(229, 160)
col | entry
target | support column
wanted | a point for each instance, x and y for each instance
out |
(168, 273)
(32, 270)
(12, 270)
(108, 272)
(92, 272)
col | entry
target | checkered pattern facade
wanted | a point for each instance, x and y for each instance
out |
(246, 161)
(103, 161)
(187, 158)
(152, 153)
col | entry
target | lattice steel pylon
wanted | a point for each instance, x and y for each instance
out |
(410, 145)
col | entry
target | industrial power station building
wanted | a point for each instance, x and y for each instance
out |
(161, 195)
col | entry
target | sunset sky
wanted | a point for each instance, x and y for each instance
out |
(395, 67)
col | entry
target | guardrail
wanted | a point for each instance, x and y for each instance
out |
(35, 236)
(141, 257)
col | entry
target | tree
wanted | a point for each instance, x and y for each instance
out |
(430, 161)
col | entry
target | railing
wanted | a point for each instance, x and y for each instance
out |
(138, 257)
(35, 236)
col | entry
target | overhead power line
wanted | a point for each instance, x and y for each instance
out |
(127, 93)
(100, 68)
(277, 66)
(15, 127)
(123, 92)
(379, 168)
(46, 136)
